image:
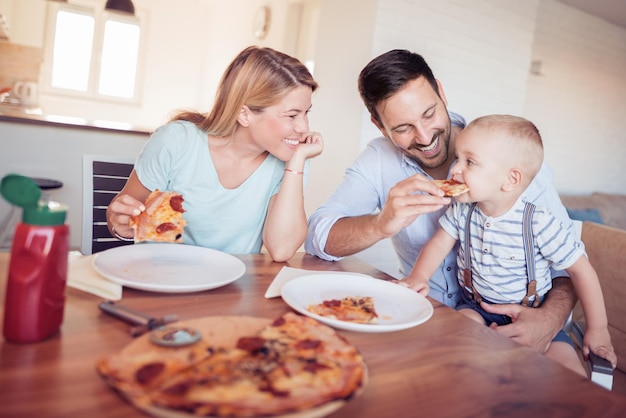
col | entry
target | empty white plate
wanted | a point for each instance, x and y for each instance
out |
(168, 268)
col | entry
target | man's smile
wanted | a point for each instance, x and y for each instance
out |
(430, 149)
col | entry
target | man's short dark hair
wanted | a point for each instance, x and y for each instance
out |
(388, 73)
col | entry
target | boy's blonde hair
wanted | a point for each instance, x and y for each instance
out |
(519, 137)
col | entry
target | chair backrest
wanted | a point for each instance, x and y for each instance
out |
(103, 177)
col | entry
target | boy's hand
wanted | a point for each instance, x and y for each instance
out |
(599, 342)
(420, 287)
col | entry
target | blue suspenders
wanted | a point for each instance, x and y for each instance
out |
(527, 236)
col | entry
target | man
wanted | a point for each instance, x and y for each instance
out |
(388, 192)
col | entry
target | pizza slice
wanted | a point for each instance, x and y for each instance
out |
(162, 220)
(357, 309)
(452, 187)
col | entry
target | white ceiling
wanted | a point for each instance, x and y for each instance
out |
(613, 11)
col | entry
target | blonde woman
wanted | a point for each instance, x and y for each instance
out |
(241, 168)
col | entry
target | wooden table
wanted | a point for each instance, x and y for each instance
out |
(449, 366)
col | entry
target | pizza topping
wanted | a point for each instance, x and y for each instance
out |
(251, 344)
(314, 366)
(308, 344)
(176, 203)
(164, 227)
(149, 372)
(332, 303)
(355, 309)
(178, 389)
(451, 187)
(278, 321)
(162, 220)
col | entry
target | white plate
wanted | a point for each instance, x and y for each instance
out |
(397, 307)
(168, 268)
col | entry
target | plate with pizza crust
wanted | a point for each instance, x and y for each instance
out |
(168, 268)
(220, 331)
(397, 307)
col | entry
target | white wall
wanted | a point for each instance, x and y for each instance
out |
(479, 50)
(229, 29)
(343, 48)
(579, 103)
(25, 19)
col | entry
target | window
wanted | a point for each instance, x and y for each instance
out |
(118, 66)
(71, 57)
(92, 53)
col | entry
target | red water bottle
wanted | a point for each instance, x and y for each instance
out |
(35, 294)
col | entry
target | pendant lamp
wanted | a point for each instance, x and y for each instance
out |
(124, 6)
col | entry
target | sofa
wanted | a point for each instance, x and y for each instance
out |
(603, 217)
(606, 249)
(604, 208)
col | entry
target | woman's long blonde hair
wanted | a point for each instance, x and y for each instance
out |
(258, 78)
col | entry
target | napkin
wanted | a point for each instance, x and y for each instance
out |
(82, 276)
(287, 273)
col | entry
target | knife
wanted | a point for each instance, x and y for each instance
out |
(143, 322)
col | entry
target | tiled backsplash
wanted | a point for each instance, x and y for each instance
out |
(19, 63)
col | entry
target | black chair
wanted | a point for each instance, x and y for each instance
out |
(103, 178)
